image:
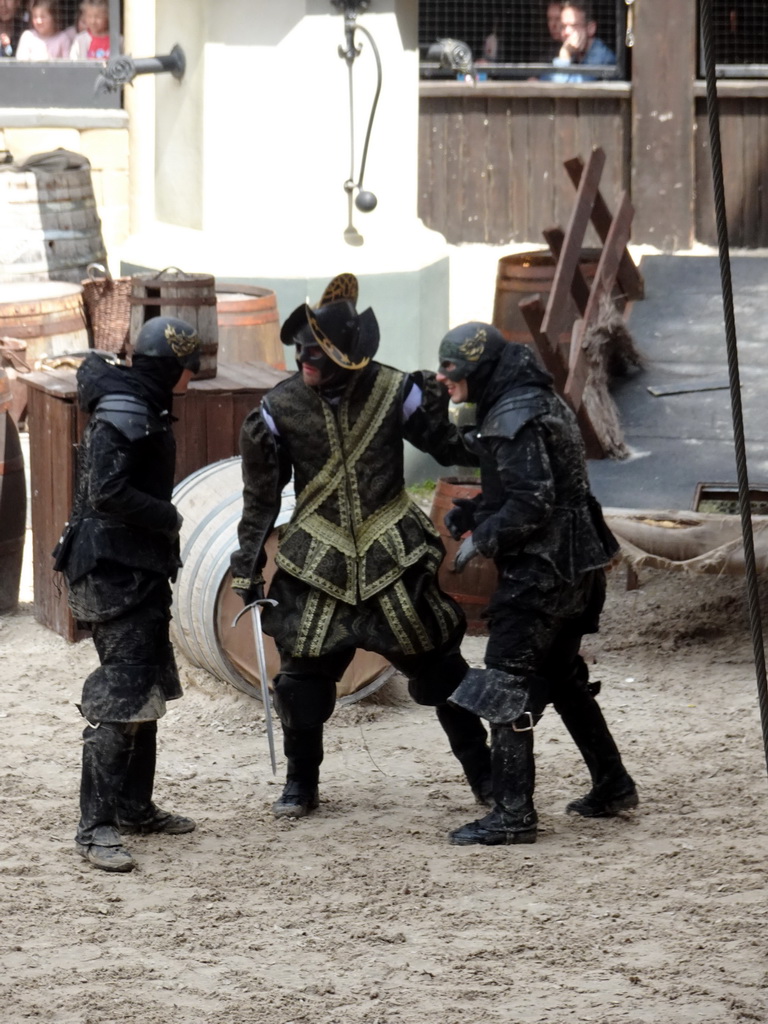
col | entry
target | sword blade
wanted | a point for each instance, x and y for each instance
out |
(265, 695)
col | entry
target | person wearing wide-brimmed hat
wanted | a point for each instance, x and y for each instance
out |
(357, 563)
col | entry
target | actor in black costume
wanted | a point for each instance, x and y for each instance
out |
(357, 563)
(537, 519)
(117, 554)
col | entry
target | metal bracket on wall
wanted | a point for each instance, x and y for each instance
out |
(120, 71)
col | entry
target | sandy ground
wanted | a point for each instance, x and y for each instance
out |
(363, 914)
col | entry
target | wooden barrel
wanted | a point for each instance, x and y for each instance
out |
(473, 587)
(47, 316)
(249, 325)
(204, 604)
(49, 225)
(190, 297)
(13, 504)
(525, 274)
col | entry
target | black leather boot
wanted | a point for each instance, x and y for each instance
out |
(469, 743)
(513, 818)
(304, 752)
(106, 750)
(613, 790)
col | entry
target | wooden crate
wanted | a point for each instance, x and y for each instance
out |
(207, 429)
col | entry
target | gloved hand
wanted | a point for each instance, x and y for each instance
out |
(253, 591)
(460, 518)
(464, 554)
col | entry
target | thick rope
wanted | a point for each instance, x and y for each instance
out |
(731, 345)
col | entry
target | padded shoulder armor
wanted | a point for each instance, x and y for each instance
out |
(511, 413)
(131, 416)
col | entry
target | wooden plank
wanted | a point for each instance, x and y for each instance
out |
(533, 312)
(732, 146)
(761, 183)
(453, 225)
(579, 287)
(52, 440)
(705, 195)
(751, 172)
(663, 75)
(499, 225)
(474, 170)
(520, 157)
(221, 438)
(566, 144)
(539, 166)
(602, 287)
(629, 277)
(571, 250)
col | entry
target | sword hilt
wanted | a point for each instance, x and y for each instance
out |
(253, 604)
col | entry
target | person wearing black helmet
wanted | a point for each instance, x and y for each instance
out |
(117, 554)
(537, 519)
(357, 563)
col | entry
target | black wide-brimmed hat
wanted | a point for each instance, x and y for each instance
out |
(350, 339)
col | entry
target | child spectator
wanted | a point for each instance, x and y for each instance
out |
(45, 40)
(11, 27)
(93, 42)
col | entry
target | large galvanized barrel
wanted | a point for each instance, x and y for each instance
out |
(525, 274)
(204, 604)
(249, 325)
(49, 224)
(473, 587)
(47, 316)
(190, 297)
(13, 503)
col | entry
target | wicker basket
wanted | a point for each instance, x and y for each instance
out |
(107, 310)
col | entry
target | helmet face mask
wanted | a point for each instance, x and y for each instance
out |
(166, 337)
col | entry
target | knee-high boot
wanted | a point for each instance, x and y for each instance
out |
(469, 743)
(303, 750)
(106, 750)
(513, 818)
(613, 789)
(135, 800)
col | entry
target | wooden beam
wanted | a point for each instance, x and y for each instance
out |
(629, 277)
(549, 351)
(602, 287)
(554, 238)
(572, 243)
(663, 117)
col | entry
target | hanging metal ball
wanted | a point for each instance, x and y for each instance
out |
(366, 201)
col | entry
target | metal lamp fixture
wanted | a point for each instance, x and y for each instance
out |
(365, 201)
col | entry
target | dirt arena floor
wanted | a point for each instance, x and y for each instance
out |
(362, 913)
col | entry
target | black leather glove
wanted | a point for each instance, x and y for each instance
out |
(464, 554)
(249, 590)
(460, 518)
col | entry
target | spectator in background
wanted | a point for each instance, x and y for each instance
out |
(554, 42)
(93, 42)
(580, 44)
(45, 40)
(11, 27)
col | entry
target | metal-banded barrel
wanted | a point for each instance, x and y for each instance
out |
(204, 604)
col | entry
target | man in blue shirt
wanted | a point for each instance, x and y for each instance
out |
(580, 44)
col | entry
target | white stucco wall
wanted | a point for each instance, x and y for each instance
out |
(251, 150)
